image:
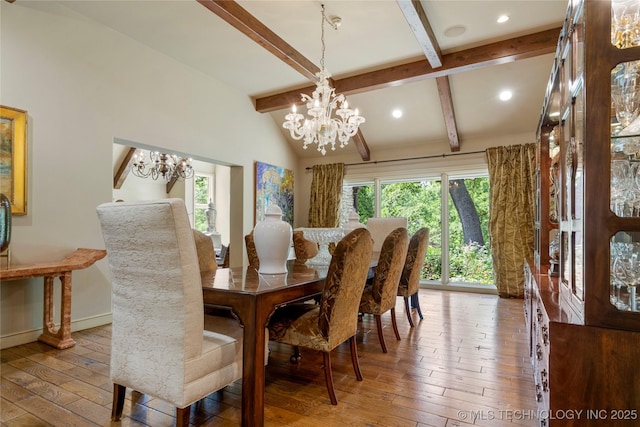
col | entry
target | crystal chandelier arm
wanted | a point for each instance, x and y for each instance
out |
(162, 165)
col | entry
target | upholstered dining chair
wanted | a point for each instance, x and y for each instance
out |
(410, 279)
(205, 251)
(326, 325)
(252, 253)
(381, 227)
(303, 248)
(380, 296)
(159, 345)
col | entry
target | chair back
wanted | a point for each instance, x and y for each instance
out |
(206, 252)
(303, 248)
(389, 269)
(381, 227)
(338, 318)
(157, 304)
(410, 279)
(252, 253)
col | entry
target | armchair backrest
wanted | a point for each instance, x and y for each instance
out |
(410, 279)
(338, 319)
(381, 227)
(389, 269)
(157, 304)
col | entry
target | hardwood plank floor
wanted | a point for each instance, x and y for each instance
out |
(465, 364)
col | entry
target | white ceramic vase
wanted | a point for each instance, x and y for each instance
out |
(272, 238)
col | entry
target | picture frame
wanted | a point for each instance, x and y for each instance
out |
(13, 157)
(273, 185)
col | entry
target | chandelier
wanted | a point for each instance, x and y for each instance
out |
(322, 127)
(162, 165)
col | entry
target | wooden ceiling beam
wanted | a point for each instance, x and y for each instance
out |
(419, 23)
(444, 91)
(124, 169)
(240, 19)
(417, 19)
(502, 52)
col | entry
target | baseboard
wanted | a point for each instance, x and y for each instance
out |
(25, 337)
(468, 287)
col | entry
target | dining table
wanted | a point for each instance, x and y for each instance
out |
(253, 297)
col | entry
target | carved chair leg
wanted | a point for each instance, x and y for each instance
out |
(328, 377)
(182, 416)
(408, 311)
(118, 401)
(415, 303)
(380, 335)
(394, 323)
(354, 358)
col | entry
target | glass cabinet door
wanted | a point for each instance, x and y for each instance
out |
(624, 245)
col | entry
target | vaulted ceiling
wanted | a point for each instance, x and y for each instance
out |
(442, 62)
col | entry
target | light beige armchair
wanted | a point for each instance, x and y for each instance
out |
(159, 344)
(381, 227)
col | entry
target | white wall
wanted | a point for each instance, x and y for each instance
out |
(84, 85)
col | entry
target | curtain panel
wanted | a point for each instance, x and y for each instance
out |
(326, 192)
(511, 214)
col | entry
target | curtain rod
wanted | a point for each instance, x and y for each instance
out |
(435, 156)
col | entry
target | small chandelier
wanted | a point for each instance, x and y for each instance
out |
(162, 165)
(322, 127)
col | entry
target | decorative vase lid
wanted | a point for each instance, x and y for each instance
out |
(273, 212)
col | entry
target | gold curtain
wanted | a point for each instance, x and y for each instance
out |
(326, 191)
(511, 214)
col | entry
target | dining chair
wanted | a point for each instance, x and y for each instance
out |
(159, 344)
(303, 248)
(380, 296)
(381, 227)
(252, 253)
(325, 326)
(223, 257)
(205, 251)
(409, 285)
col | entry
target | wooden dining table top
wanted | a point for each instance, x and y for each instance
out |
(249, 280)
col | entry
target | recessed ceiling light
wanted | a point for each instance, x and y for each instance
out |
(505, 95)
(397, 113)
(455, 31)
(502, 19)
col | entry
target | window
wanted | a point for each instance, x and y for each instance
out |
(202, 195)
(454, 208)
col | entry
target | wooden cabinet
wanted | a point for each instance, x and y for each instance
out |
(585, 324)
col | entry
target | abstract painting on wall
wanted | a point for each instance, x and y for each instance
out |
(274, 185)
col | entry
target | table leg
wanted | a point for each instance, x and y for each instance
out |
(253, 360)
(60, 338)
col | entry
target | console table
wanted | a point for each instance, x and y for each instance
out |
(81, 258)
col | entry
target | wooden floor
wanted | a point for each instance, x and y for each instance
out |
(465, 364)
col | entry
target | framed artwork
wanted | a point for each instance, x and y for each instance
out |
(274, 185)
(13, 156)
